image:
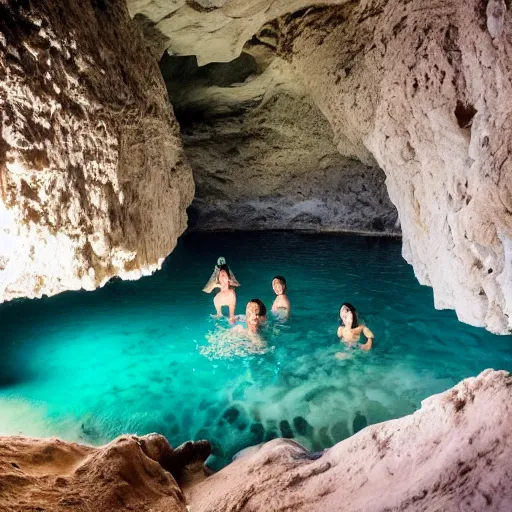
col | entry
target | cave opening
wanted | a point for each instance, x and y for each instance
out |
(262, 153)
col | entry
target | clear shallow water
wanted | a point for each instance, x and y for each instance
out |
(128, 358)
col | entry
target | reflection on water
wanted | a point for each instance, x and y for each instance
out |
(146, 356)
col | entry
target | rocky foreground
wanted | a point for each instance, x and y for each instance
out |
(455, 453)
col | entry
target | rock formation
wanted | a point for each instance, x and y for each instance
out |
(130, 473)
(93, 179)
(263, 155)
(434, 120)
(213, 30)
(422, 94)
(94, 182)
(454, 453)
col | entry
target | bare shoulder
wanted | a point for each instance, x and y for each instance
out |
(281, 301)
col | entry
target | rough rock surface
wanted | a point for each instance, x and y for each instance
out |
(263, 155)
(130, 473)
(93, 179)
(454, 454)
(423, 94)
(213, 30)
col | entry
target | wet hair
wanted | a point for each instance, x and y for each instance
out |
(282, 279)
(263, 309)
(226, 268)
(352, 309)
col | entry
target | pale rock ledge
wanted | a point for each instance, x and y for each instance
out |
(454, 454)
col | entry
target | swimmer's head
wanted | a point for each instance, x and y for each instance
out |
(224, 275)
(279, 285)
(263, 309)
(255, 312)
(348, 315)
(252, 313)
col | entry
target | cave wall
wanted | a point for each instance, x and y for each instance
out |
(212, 30)
(424, 94)
(93, 179)
(94, 182)
(427, 93)
(263, 155)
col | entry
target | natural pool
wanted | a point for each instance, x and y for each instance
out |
(127, 358)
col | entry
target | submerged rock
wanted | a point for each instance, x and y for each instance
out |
(286, 430)
(257, 432)
(302, 427)
(359, 422)
(231, 415)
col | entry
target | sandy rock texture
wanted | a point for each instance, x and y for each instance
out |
(263, 155)
(453, 454)
(93, 179)
(130, 473)
(213, 30)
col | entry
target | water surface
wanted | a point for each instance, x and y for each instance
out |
(88, 366)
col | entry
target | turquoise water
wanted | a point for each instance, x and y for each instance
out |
(129, 357)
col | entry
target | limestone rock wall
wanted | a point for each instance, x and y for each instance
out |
(213, 30)
(427, 93)
(423, 94)
(93, 179)
(262, 153)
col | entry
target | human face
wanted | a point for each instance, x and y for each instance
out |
(223, 277)
(278, 287)
(346, 316)
(252, 313)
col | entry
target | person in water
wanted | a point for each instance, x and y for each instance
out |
(224, 279)
(281, 306)
(350, 331)
(262, 316)
(255, 311)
